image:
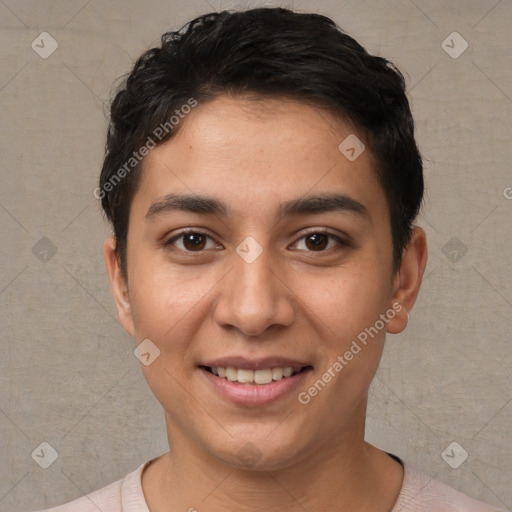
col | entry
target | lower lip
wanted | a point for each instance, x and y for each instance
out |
(255, 394)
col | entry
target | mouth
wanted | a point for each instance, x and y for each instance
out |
(255, 377)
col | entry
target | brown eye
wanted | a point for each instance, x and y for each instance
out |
(193, 241)
(190, 241)
(318, 241)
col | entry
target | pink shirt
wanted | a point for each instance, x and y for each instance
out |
(419, 493)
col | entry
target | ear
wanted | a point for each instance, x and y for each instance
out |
(407, 280)
(119, 286)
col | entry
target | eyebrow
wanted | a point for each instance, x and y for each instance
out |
(320, 203)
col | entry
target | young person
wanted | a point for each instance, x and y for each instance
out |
(262, 179)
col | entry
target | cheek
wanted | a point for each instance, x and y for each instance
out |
(346, 312)
(162, 295)
(347, 301)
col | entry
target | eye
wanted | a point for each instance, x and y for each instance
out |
(191, 241)
(196, 241)
(318, 241)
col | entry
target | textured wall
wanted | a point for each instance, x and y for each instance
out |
(68, 376)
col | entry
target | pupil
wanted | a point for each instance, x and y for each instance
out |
(191, 244)
(318, 240)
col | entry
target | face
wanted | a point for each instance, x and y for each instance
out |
(249, 271)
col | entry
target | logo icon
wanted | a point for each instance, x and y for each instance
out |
(44, 45)
(146, 352)
(454, 455)
(454, 45)
(44, 250)
(454, 249)
(249, 454)
(351, 147)
(45, 455)
(249, 249)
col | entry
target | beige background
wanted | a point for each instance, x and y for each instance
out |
(68, 376)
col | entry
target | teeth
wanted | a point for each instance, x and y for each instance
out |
(287, 371)
(231, 374)
(265, 376)
(277, 373)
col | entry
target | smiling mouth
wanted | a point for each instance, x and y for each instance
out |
(259, 377)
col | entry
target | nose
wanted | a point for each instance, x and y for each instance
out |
(254, 296)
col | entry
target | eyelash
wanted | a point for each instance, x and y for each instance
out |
(341, 243)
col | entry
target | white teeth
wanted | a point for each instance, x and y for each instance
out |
(231, 374)
(265, 376)
(277, 373)
(287, 371)
(245, 376)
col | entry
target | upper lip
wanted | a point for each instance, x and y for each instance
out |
(256, 363)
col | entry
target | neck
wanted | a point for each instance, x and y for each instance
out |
(344, 473)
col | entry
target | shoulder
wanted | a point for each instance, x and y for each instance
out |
(122, 495)
(107, 498)
(420, 493)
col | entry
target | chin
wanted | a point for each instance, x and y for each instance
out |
(259, 453)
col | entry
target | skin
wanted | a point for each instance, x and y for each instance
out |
(294, 300)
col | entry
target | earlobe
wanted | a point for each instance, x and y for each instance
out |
(408, 279)
(119, 286)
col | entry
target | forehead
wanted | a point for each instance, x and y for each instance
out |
(259, 152)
